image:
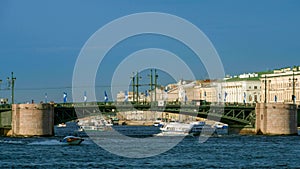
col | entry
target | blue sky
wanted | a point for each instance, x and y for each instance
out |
(41, 40)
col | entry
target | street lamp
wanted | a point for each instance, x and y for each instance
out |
(266, 87)
(293, 80)
(12, 83)
(133, 87)
(137, 85)
(155, 83)
(151, 84)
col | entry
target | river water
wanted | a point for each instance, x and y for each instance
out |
(232, 151)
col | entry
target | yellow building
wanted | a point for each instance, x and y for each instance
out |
(192, 91)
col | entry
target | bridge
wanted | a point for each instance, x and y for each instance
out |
(238, 116)
(230, 114)
(5, 118)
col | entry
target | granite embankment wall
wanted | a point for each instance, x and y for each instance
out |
(148, 117)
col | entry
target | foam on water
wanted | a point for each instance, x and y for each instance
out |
(55, 142)
(12, 142)
(46, 142)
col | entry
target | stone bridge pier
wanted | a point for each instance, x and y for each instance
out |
(276, 119)
(32, 120)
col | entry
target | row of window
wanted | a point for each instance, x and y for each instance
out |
(255, 87)
(281, 84)
(281, 96)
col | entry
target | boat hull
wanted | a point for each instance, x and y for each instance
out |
(194, 129)
(72, 140)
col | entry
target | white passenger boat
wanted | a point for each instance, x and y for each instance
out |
(221, 128)
(175, 129)
(193, 129)
(215, 128)
(95, 124)
(72, 140)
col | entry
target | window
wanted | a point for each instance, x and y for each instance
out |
(255, 87)
(250, 98)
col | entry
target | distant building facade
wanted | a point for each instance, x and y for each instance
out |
(241, 90)
(279, 86)
(271, 87)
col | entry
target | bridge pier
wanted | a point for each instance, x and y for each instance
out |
(33, 119)
(276, 119)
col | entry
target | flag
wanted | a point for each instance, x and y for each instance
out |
(166, 89)
(46, 97)
(105, 97)
(184, 96)
(65, 97)
(165, 96)
(225, 95)
(293, 98)
(84, 97)
(126, 96)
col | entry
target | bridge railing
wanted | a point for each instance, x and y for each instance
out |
(240, 113)
(5, 106)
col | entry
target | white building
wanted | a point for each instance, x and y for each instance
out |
(240, 90)
(280, 85)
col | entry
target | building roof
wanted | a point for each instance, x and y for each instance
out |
(243, 79)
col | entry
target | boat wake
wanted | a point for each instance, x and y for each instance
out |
(46, 142)
(12, 142)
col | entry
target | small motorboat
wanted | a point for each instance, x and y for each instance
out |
(62, 125)
(72, 140)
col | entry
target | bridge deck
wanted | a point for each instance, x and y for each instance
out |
(235, 114)
(244, 115)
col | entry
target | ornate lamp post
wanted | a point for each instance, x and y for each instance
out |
(133, 87)
(266, 88)
(137, 86)
(12, 83)
(151, 84)
(155, 83)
